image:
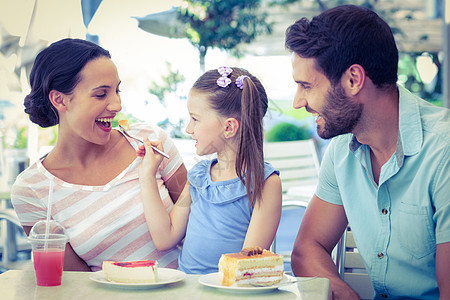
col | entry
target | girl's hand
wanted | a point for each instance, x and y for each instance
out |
(152, 159)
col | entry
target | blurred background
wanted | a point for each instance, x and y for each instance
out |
(162, 46)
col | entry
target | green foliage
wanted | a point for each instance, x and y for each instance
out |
(54, 129)
(281, 2)
(222, 24)
(409, 75)
(169, 83)
(124, 116)
(21, 140)
(287, 132)
(284, 107)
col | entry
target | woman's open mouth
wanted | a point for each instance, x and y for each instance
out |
(104, 123)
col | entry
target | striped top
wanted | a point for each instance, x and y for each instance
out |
(103, 222)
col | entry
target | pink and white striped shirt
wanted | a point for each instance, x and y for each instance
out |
(103, 222)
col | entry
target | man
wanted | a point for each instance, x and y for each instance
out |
(386, 172)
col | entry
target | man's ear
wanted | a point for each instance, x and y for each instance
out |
(231, 127)
(57, 99)
(353, 79)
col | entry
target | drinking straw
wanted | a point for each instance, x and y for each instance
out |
(49, 212)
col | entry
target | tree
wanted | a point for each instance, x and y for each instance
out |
(222, 24)
(169, 84)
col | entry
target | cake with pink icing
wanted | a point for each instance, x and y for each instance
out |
(140, 271)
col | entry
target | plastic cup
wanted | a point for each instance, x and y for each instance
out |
(48, 249)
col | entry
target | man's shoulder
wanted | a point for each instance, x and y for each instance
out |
(342, 141)
(435, 120)
(432, 116)
(422, 118)
(339, 147)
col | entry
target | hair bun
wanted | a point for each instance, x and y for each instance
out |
(41, 115)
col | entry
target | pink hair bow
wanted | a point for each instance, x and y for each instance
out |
(240, 81)
(223, 80)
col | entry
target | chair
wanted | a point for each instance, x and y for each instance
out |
(298, 164)
(10, 226)
(283, 242)
(351, 267)
(12, 237)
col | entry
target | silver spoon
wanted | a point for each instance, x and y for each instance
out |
(142, 142)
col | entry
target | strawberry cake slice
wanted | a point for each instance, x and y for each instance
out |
(140, 271)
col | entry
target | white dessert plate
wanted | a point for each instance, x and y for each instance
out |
(165, 276)
(212, 280)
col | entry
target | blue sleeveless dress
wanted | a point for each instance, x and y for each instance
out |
(218, 221)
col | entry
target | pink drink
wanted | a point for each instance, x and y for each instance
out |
(48, 265)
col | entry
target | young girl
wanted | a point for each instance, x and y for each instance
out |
(231, 202)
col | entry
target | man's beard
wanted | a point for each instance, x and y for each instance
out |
(339, 113)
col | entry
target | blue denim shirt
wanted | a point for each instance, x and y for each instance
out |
(397, 223)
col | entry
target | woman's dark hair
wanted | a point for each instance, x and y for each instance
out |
(248, 105)
(346, 35)
(57, 67)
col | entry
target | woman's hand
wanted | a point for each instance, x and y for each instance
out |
(151, 159)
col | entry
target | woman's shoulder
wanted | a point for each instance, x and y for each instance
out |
(145, 130)
(28, 180)
(32, 174)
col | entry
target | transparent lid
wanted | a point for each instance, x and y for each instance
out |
(55, 231)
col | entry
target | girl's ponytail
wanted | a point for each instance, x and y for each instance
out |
(250, 159)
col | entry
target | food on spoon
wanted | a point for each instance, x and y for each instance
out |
(124, 124)
(251, 266)
(139, 271)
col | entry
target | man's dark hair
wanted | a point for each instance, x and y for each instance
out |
(346, 35)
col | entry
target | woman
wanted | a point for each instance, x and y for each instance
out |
(93, 169)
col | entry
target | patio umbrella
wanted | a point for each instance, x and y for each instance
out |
(89, 7)
(164, 23)
(9, 81)
(37, 24)
(8, 42)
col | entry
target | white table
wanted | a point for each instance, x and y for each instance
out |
(21, 284)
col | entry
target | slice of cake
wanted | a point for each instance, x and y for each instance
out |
(140, 271)
(250, 266)
(124, 123)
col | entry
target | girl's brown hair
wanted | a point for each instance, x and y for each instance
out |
(248, 105)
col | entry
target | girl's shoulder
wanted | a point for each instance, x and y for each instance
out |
(269, 170)
(218, 192)
(199, 172)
